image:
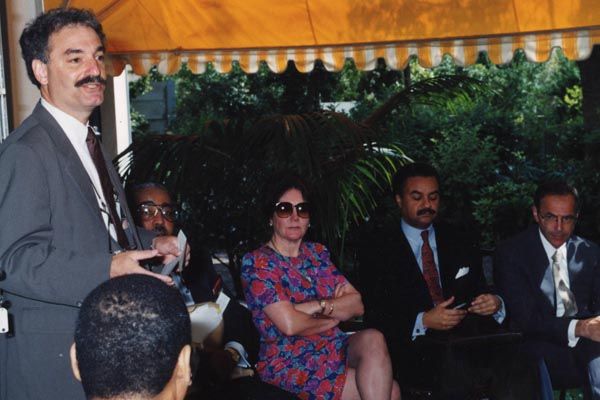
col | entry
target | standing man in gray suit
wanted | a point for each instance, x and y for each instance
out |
(61, 233)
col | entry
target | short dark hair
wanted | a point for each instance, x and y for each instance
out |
(557, 188)
(128, 337)
(35, 36)
(410, 171)
(134, 189)
(277, 185)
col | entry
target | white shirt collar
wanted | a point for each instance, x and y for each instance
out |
(75, 130)
(413, 233)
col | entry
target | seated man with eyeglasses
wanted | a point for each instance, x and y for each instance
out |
(549, 279)
(156, 211)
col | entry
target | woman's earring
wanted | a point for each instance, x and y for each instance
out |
(309, 224)
(270, 223)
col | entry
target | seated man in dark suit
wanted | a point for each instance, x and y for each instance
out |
(550, 280)
(233, 358)
(421, 279)
(132, 341)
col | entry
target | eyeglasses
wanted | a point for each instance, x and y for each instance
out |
(150, 210)
(564, 220)
(285, 209)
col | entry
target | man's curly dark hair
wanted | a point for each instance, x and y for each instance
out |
(128, 337)
(35, 36)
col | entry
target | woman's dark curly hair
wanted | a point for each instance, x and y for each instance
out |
(278, 185)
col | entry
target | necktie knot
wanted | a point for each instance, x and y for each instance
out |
(425, 235)
(557, 256)
(90, 141)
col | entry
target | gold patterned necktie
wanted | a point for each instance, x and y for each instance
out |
(430, 272)
(562, 291)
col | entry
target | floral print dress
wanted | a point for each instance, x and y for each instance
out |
(313, 367)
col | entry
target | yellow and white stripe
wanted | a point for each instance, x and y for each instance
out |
(576, 45)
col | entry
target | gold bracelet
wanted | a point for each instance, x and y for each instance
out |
(330, 308)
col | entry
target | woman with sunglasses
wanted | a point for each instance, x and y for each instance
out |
(298, 298)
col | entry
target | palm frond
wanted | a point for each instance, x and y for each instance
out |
(434, 91)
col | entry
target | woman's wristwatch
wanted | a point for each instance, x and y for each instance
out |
(323, 305)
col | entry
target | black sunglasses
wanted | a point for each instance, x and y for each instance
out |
(285, 209)
(150, 210)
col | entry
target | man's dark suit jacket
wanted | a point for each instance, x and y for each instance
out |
(54, 249)
(519, 267)
(392, 284)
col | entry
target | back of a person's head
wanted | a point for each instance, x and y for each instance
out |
(128, 337)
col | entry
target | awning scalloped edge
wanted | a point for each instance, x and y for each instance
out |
(576, 45)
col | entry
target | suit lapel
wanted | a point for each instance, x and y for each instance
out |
(540, 263)
(538, 254)
(406, 251)
(73, 166)
(118, 188)
(575, 267)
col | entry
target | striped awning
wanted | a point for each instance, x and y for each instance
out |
(145, 33)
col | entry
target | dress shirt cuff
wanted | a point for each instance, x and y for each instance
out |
(419, 329)
(243, 362)
(571, 333)
(501, 313)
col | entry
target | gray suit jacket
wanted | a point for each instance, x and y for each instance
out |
(519, 267)
(54, 249)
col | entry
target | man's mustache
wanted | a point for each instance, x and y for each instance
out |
(424, 211)
(160, 230)
(90, 79)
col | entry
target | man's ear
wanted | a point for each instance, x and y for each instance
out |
(40, 71)
(183, 370)
(398, 199)
(74, 365)
(534, 211)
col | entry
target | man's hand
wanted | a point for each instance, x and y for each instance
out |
(127, 262)
(168, 249)
(485, 304)
(588, 328)
(442, 318)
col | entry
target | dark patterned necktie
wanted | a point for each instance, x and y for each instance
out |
(430, 272)
(562, 291)
(107, 189)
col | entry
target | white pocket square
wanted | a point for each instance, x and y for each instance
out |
(462, 272)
